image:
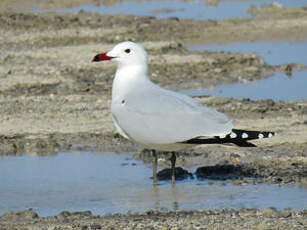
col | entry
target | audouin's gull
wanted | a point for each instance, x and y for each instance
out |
(160, 119)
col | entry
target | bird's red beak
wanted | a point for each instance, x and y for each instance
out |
(101, 57)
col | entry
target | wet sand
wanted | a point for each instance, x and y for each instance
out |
(54, 99)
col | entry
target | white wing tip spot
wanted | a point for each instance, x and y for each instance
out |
(244, 135)
(260, 135)
(161, 160)
(270, 135)
(233, 135)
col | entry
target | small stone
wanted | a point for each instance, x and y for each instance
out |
(95, 226)
(64, 213)
(271, 212)
(237, 182)
(252, 69)
(220, 184)
(218, 70)
(180, 174)
(286, 214)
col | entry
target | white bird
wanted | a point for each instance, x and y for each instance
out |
(160, 119)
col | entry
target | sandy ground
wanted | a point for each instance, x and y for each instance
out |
(225, 219)
(54, 99)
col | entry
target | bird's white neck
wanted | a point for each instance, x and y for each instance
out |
(128, 78)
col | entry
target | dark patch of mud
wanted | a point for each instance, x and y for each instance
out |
(265, 171)
(223, 172)
(180, 174)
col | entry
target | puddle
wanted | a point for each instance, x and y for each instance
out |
(116, 183)
(272, 53)
(198, 10)
(278, 88)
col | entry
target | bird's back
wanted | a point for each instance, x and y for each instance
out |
(149, 114)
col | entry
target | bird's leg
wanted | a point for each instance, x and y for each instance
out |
(154, 167)
(173, 166)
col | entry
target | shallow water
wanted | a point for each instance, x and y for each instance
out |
(272, 53)
(278, 88)
(197, 10)
(116, 183)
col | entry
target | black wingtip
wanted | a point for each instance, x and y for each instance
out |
(238, 137)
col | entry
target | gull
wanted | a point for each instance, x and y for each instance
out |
(160, 119)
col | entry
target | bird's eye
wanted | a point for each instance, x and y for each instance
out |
(127, 51)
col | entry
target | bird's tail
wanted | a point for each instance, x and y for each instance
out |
(238, 137)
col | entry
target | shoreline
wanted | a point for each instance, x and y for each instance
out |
(269, 218)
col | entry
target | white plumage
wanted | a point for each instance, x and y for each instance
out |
(152, 116)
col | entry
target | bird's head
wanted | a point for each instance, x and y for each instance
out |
(125, 54)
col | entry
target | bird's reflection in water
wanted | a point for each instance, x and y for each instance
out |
(156, 196)
(172, 195)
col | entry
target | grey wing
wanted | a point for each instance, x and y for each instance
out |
(164, 117)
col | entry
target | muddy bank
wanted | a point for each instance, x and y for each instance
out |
(49, 54)
(224, 219)
(57, 58)
(273, 22)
